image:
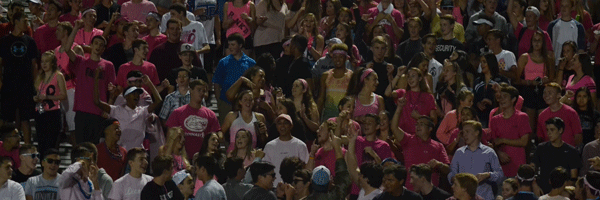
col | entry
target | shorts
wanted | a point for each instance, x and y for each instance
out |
(533, 99)
(67, 109)
(22, 102)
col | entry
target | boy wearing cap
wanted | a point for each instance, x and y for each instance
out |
(88, 116)
(29, 158)
(9, 189)
(477, 46)
(154, 37)
(206, 168)
(524, 33)
(84, 36)
(45, 35)
(193, 32)
(284, 146)
(130, 185)
(187, 54)
(37, 12)
(185, 183)
(132, 116)
(45, 185)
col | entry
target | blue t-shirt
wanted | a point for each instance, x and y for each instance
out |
(229, 71)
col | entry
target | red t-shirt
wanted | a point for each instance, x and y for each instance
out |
(417, 151)
(512, 128)
(13, 154)
(423, 102)
(327, 159)
(568, 115)
(45, 38)
(154, 41)
(146, 68)
(112, 164)
(196, 123)
(85, 69)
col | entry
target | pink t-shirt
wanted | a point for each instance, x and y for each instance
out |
(84, 69)
(362, 109)
(448, 124)
(512, 128)
(398, 18)
(417, 151)
(69, 18)
(568, 115)
(137, 11)
(45, 38)
(85, 38)
(196, 123)
(380, 147)
(422, 102)
(327, 159)
(586, 81)
(62, 60)
(154, 41)
(518, 106)
(133, 124)
(146, 68)
(525, 40)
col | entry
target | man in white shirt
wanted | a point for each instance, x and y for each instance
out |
(565, 29)
(506, 59)
(8, 188)
(45, 185)
(129, 186)
(193, 32)
(284, 146)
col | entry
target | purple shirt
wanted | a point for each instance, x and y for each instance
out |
(482, 160)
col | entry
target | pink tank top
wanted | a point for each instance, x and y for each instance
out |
(239, 25)
(533, 70)
(360, 109)
(238, 124)
(50, 89)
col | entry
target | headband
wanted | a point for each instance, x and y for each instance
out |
(87, 11)
(154, 15)
(304, 83)
(133, 78)
(525, 180)
(341, 52)
(595, 191)
(365, 74)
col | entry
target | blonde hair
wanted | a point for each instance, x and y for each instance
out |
(248, 146)
(172, 135)
(42, 75)
(315, 30)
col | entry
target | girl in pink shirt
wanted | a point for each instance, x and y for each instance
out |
(174, 146)
(419, 101)
(450, 121)
(362, 86)
(582, 78)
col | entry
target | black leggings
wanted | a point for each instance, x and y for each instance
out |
(47, 127)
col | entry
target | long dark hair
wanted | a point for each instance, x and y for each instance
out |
(590, 104)
(492, 64)
(586, 64)
(356, 85)
(267, 63)
(544, 52)
(204, 149)
(348, 41)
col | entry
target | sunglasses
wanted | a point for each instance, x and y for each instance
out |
(33, 155)
(52, 161)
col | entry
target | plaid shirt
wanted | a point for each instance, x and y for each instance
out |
(172, 102)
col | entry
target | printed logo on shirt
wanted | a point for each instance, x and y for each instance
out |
(195, 124)
(209, 14)
(91, 72)
(445, 48)
(385, 22)
(167, 196)
(18, 49)
(132, 192)
(48, 192)
(189, 36)
(502, 64)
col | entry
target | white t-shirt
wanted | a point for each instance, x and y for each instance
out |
(506, 60)
(11, 190)
(563, 31)
(129, 188)
(277, 150)
(195, 35)
(39, 188)
(370, 196)
(558, 197)
(208, 19)
(167, 16)
(435, 69)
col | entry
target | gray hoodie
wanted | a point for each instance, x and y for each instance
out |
(105, 182)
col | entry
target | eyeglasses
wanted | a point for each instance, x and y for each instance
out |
(52, 161)
(33, 155)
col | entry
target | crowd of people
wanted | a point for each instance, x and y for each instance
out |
(329, 99)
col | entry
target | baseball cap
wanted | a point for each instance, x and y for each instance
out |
(534, 10)
(186, 48)
(320, 178)
(483, 21)
(286, 117)
(333, 41)
(153, 15)
(180, 176)
(35, 1)
(132, 89)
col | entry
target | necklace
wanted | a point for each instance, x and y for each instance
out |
(83, 192)
(115, 156)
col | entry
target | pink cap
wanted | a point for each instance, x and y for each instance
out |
(286, 117)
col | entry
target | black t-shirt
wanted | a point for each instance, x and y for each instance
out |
(444, 48)
(259, 193)
(407, 49)
(437, 194)
(299, 68)
(104, 14)
(166, 57)
(545, 159)
(197, 73)
(406, 195)
(588, 123)
(19, 177)
(17, 54)
(169, 191)
(117, 55)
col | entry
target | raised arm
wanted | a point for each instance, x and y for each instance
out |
(67, 47)
(235, 88)
(396, 130)
(351, 160)
(157, 99)
(512, 16)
